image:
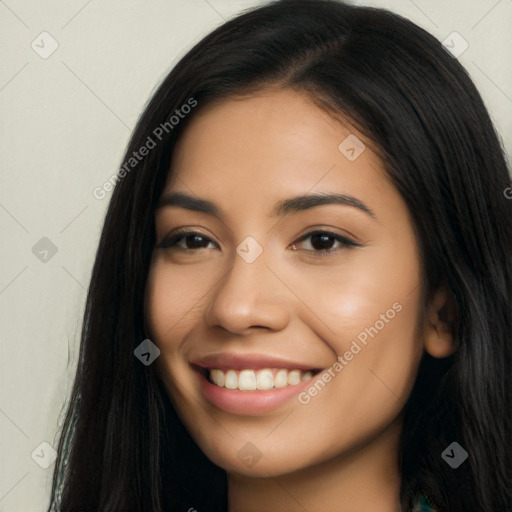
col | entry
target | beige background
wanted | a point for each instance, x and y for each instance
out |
(64, 123)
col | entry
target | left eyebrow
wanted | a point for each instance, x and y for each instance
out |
(292, 204)
(300, 203)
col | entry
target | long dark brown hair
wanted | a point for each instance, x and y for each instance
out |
(122, 445)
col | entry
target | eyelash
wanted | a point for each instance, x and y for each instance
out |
(171, 241)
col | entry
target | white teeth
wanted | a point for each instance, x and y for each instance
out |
(281, 379)
(251, 380)
(231, 381)
(293, 377)
(307, 376)
(265, 379)
(247, 380)
(217, 377)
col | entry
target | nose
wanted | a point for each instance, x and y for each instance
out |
(249, 296)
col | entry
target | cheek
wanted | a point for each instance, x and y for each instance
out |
(172, 301)
(378, 350)
(351, 297)
(369, 313)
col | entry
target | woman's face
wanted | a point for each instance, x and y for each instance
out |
(300, 284)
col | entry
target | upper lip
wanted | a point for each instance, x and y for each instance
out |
(232, 361)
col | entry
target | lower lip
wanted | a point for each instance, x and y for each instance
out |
(249, 403)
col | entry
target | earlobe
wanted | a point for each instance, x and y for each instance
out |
(440, 325)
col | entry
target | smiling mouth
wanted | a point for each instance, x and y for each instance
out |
(257, 380)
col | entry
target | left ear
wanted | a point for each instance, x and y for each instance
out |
(440, 324)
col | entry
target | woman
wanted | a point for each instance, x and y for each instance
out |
(301, 296)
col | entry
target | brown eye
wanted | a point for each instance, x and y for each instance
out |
(322, 241)
(186, 240)
(325, 242)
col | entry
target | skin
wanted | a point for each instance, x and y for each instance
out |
(339, 451)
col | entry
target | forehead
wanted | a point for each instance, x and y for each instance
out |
(271, 144)
(278, 134)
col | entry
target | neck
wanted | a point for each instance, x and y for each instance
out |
(366, 479)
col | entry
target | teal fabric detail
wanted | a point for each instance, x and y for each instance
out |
(423, 504)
